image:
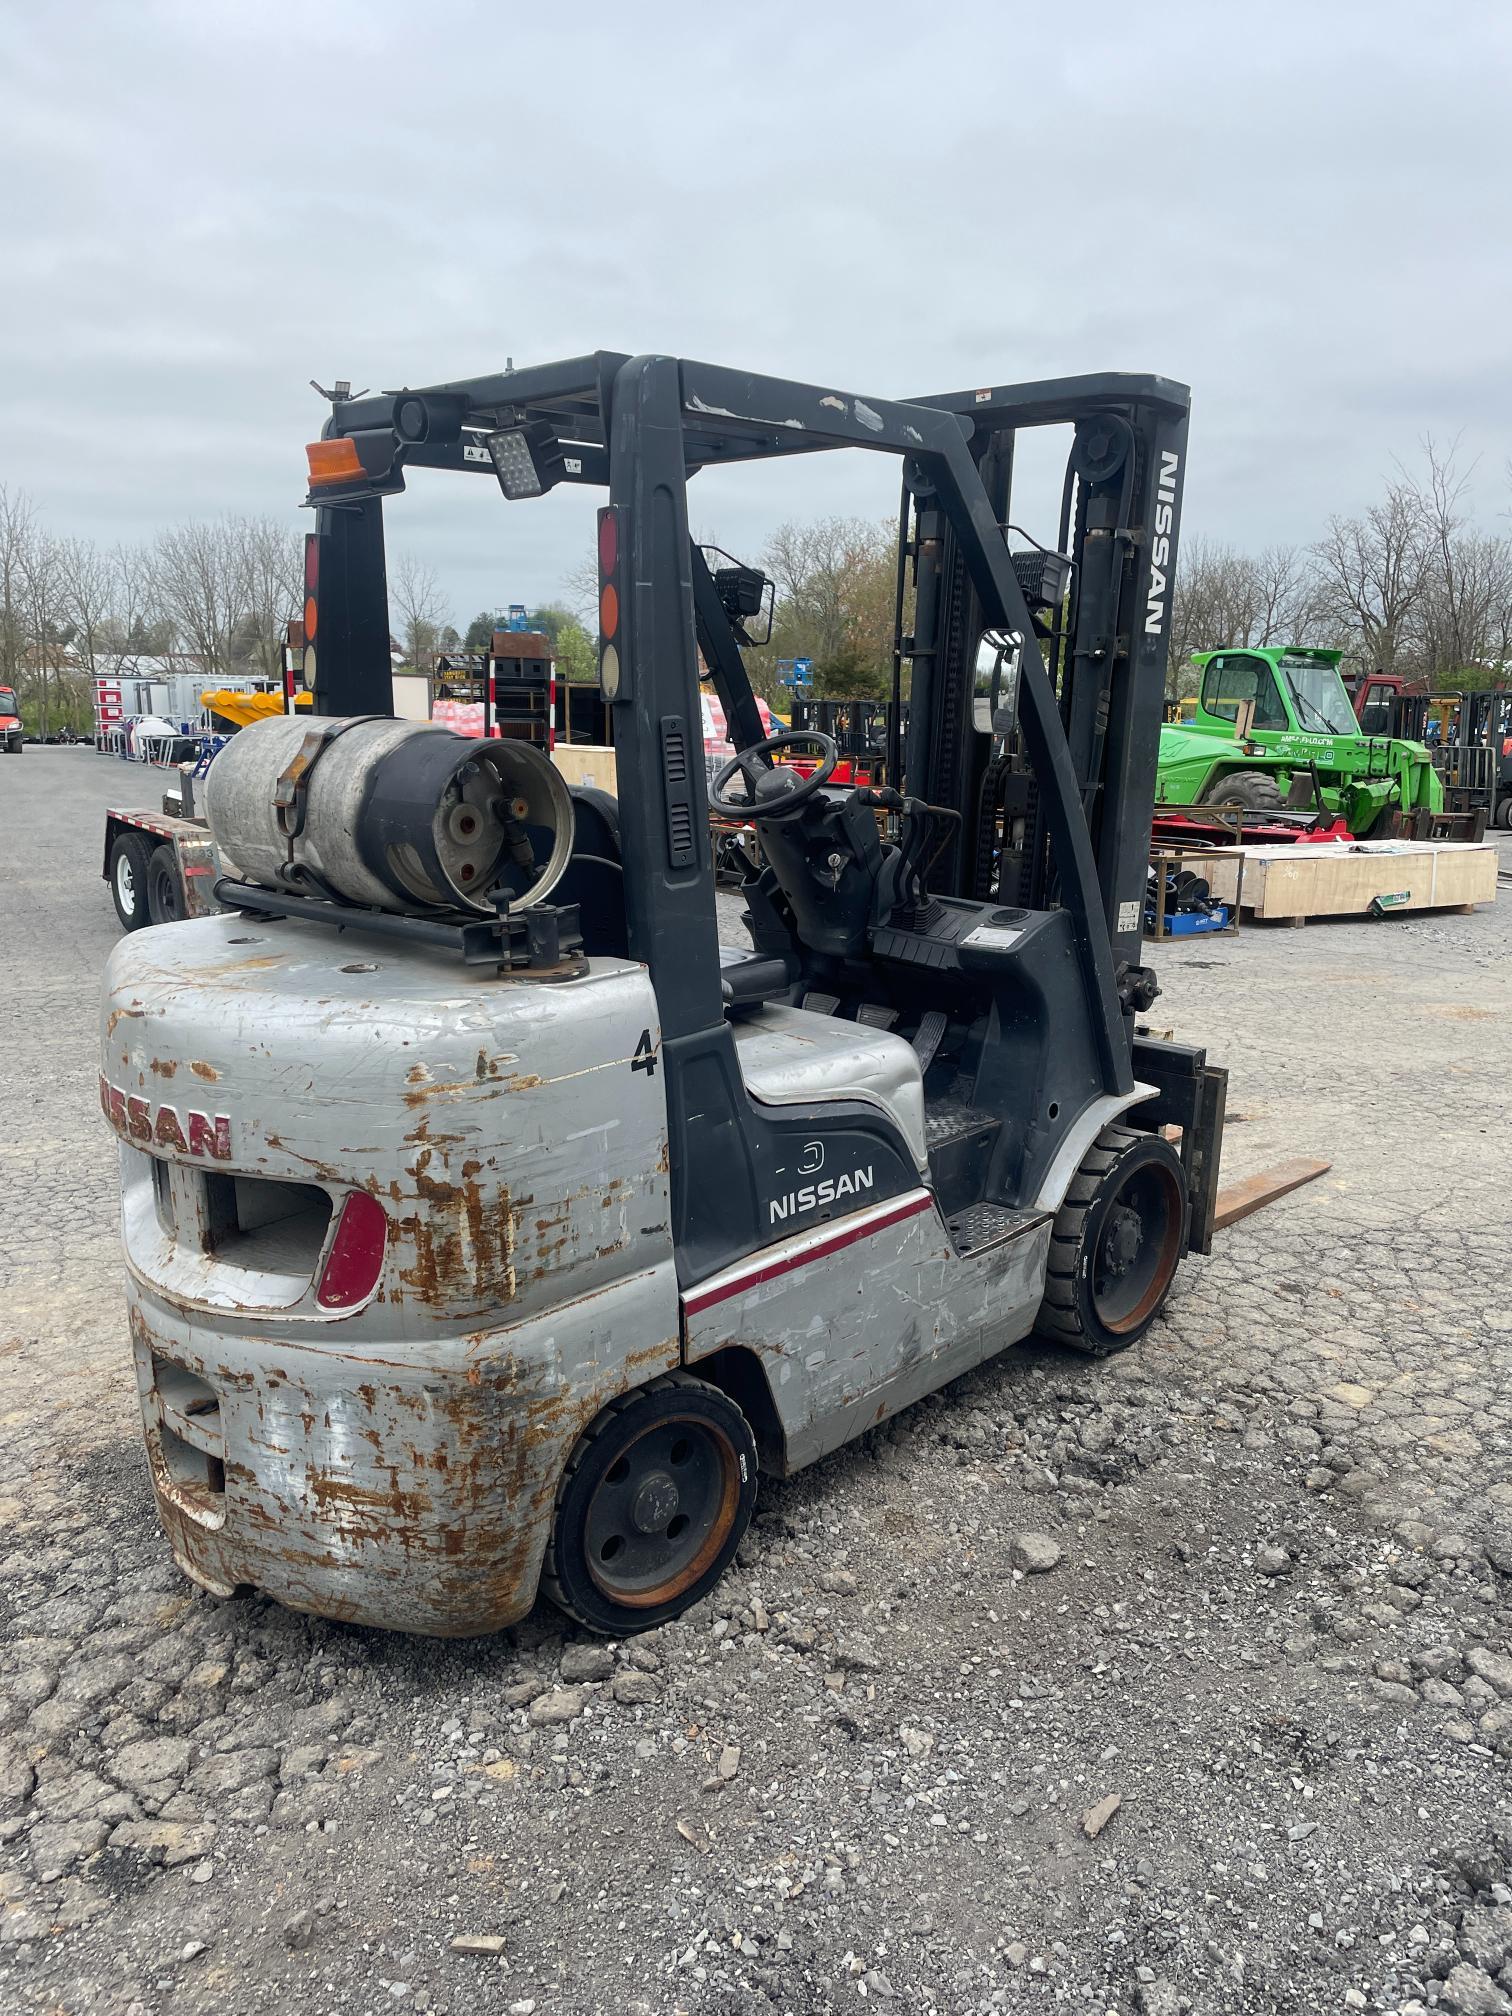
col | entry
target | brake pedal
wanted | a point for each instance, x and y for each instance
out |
(875, 1016)
(821, 1004)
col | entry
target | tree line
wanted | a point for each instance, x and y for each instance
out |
(217, 591)
(1413, 584)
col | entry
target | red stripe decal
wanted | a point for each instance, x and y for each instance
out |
(846, 1233)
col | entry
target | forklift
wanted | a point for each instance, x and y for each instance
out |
(489, 1226)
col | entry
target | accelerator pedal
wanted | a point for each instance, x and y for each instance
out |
(928, 1037)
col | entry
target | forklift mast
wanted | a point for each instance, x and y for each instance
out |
(1080, 756)
(1105, 614)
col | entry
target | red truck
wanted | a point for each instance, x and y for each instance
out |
(10, 723)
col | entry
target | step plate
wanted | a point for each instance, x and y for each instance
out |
(985, 1225)
(953, 1120)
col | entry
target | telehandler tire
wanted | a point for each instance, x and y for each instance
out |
(1255, 790)
(653, 1502)
(1115, 1244)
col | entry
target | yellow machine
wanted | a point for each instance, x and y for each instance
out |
(237, 709)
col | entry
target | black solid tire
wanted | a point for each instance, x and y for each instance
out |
(1255, 790)
(1069, 1314)
(165, 888)
(130, 859)
(566, 1576)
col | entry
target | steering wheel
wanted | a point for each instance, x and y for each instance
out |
(773, 794)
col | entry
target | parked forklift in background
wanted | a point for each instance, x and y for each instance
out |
(487, 1224)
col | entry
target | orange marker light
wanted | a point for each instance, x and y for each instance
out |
(334, 462)
(608, 610)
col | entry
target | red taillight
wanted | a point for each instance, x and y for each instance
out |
(356, 1257)
(608, 521)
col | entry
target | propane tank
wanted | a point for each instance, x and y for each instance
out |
(399, 815)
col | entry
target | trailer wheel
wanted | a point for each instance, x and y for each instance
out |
(1255, 790)
(1115, 1244)
(130, 859)
(165, 888)
(653, 1502)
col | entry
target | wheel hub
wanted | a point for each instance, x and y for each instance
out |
(655, 1504)
(1123, 1239)
(1137, 1247)
(659, 1510)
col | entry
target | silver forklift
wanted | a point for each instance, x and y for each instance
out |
(489, 1226)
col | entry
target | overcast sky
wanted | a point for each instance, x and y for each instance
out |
(1302, 211)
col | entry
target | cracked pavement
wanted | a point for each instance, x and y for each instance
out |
(1265, 1608)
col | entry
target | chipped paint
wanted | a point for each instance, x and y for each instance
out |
(394, 1465)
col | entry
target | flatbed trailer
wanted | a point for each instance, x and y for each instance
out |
(160, 865)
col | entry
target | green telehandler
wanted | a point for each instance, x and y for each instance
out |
(1275, 727)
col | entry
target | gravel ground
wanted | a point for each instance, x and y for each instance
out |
(1179, 1684)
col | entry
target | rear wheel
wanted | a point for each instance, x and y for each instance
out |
(1116, 1243)
(1504, 813)
(165, 888)
(1255, 790)
(652, 1505)
(130, 859)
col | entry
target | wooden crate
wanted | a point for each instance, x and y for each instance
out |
(1341, 879)
(587, 763)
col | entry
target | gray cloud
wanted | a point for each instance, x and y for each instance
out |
(1302, 212)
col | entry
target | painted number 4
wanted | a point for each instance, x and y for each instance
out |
(645, 1055)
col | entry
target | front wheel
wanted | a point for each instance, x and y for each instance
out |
(1115, 1244)
(652, 1505)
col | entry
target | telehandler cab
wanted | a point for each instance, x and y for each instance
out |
(488, 1225)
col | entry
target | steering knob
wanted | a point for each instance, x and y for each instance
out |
(773, 793)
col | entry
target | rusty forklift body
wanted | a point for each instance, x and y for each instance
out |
(468, 1257)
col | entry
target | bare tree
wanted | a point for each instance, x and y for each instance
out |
(272, 557)
(18, 528)
(1463, 615)
(87, 587)
(1373, 570)
(136, 627)
(1285, 596)
(580, 592)
(202, 590)
(47, 632)
(416, 600)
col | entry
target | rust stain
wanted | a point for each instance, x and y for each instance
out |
(164, 1066)
(203, 1070)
